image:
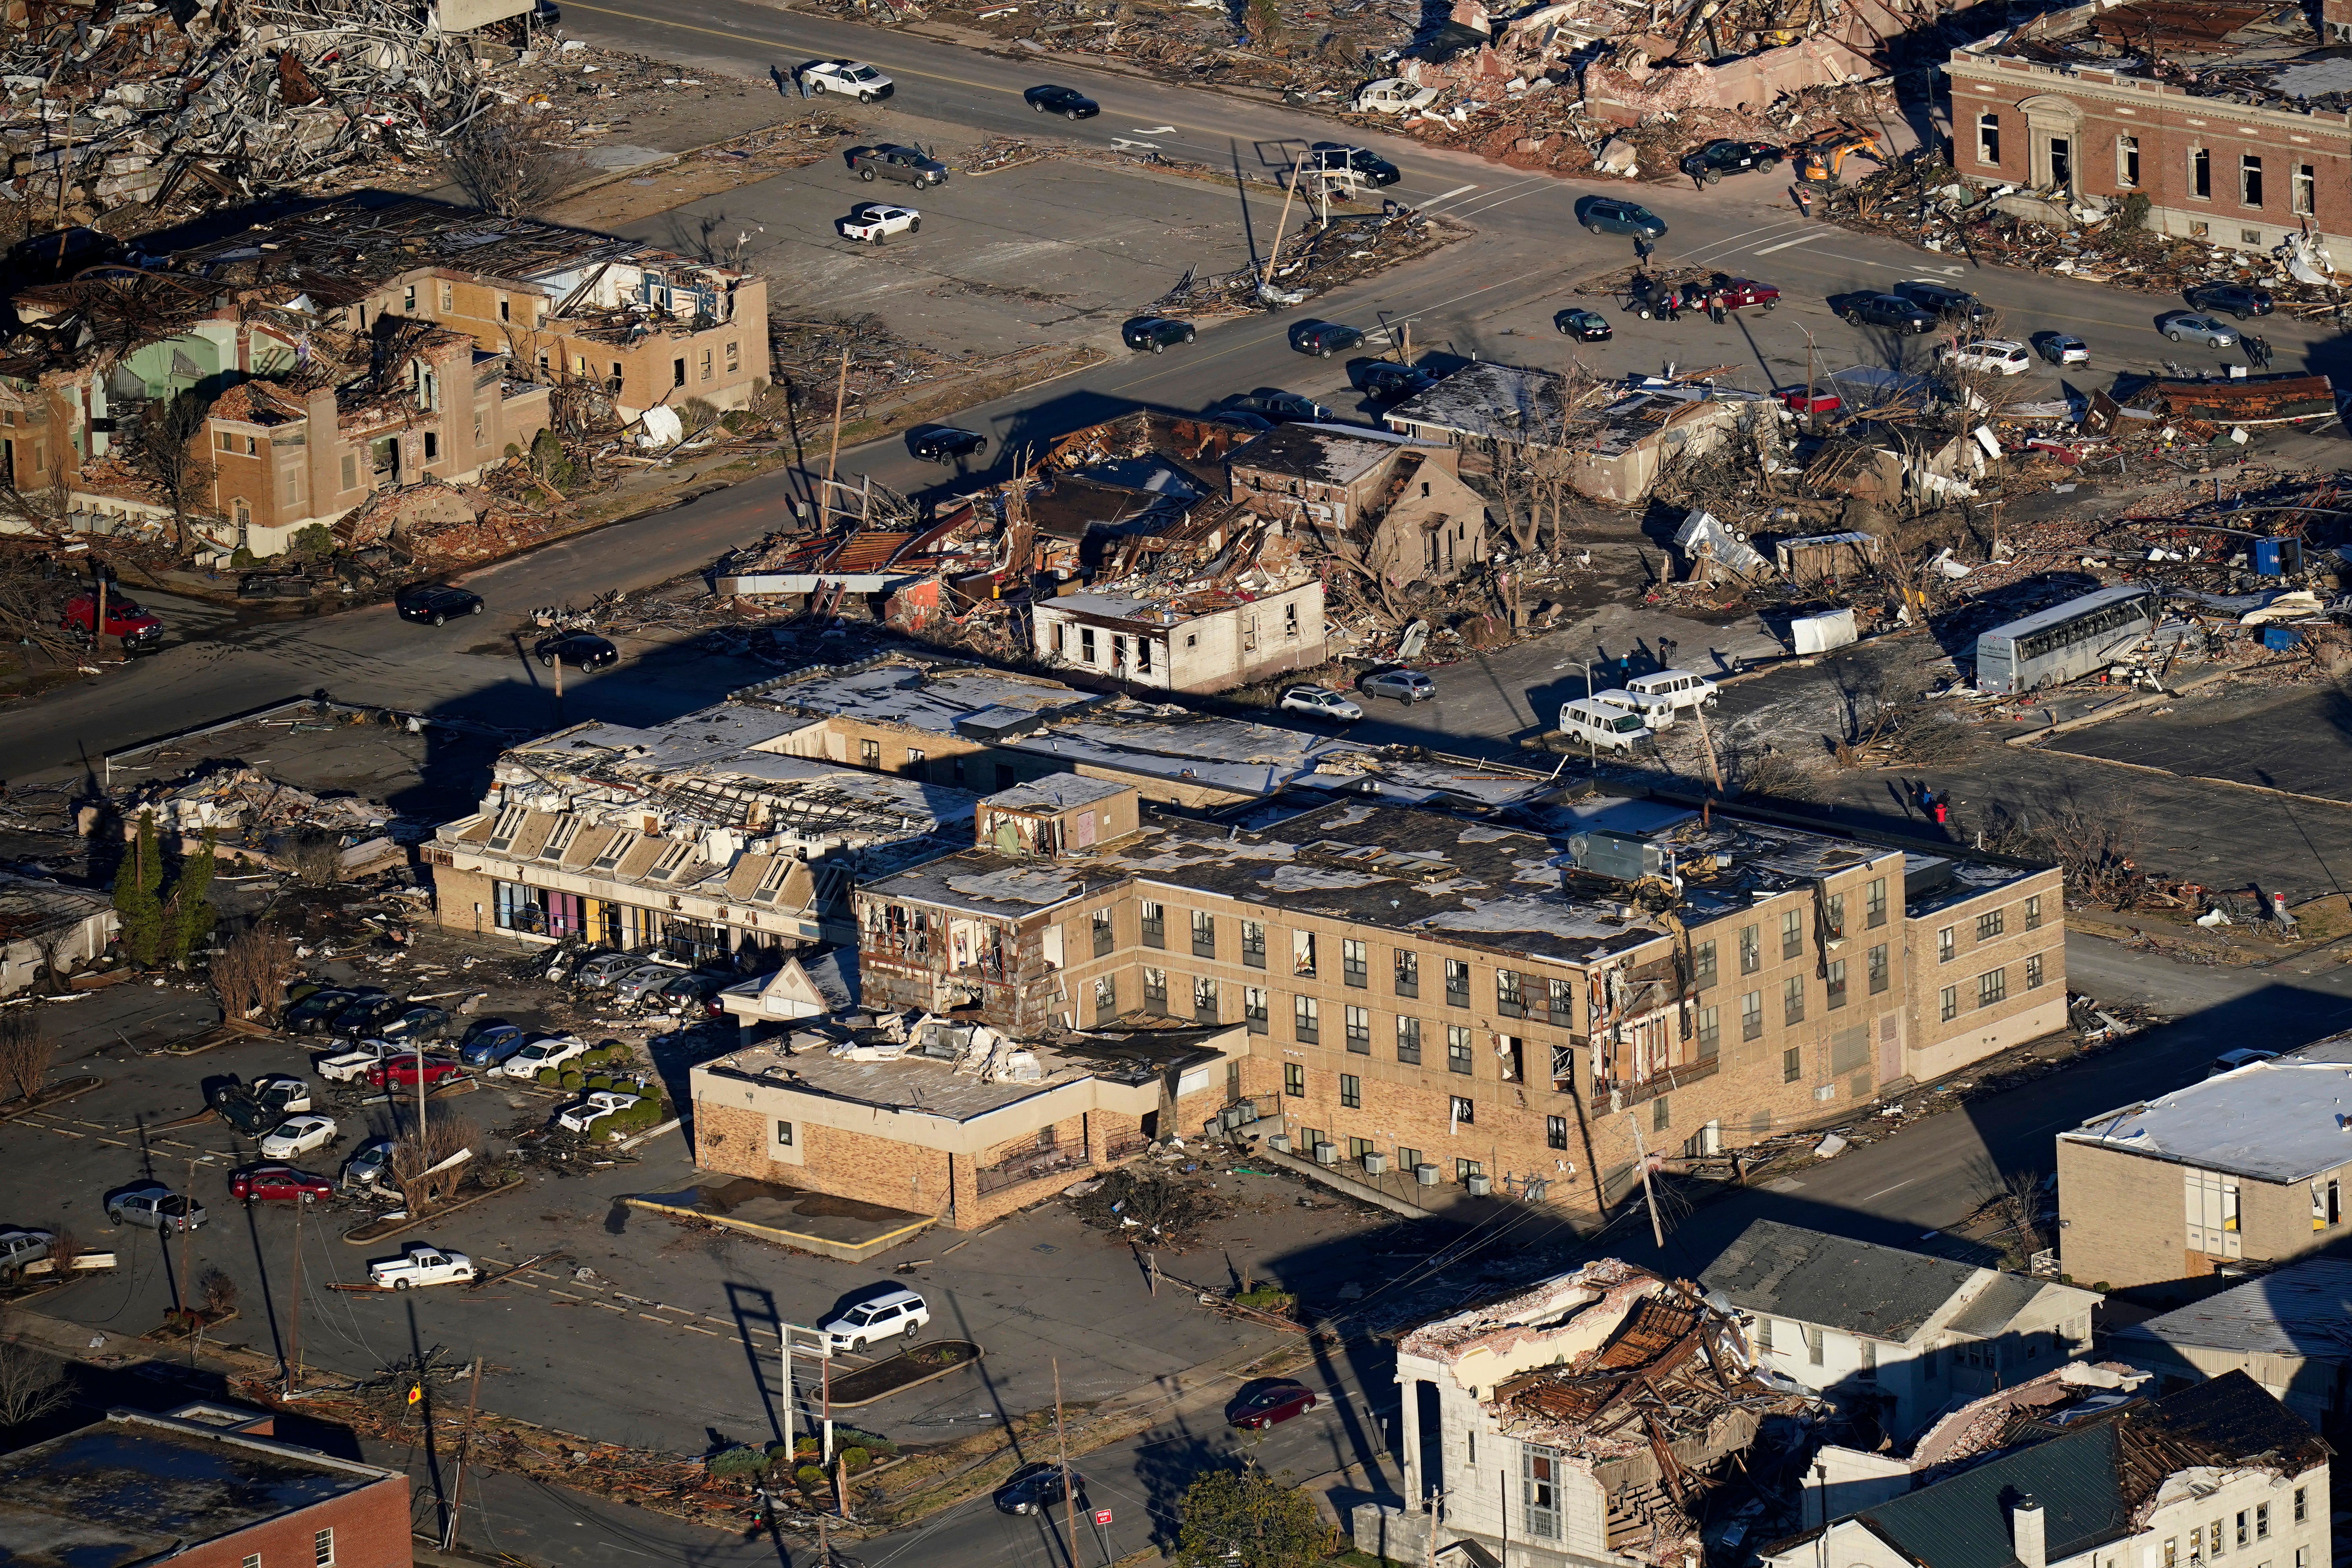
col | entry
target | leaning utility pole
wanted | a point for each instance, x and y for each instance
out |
(1069, 1499)
(1273, 254)
(833, 458)
(294, 1358)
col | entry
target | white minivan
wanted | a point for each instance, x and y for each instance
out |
(1680, 687)
(1598, 724)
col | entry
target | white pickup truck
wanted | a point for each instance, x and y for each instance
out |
(349, 1067)
(873, 222)
(421, 1264)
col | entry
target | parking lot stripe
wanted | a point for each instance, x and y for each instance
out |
(610, 1308)
(116, 1141)
(526, 1284)
(692, 1329)
(565, 1294)
(69, 1132)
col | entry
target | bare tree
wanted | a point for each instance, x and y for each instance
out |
(251, 972)
(28, 605)
(411, 1162)
(32, 1383)
(2097, 847)
(168, 452)
(510, 159)
(25, 1051)
(218, 1292)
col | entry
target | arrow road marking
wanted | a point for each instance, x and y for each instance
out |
(1123, 145)
(1153, 130)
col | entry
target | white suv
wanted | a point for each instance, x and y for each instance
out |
(896, 1312)
(1998, 355)
(1321, 701)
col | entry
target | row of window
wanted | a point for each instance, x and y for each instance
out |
(323, 1551)
(2303, 182)
(2251, 1525)
(1406, 1159)
(1992, 986)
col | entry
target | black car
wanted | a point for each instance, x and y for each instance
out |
(319, 1009)
(1282, 408)
(1255, 424)
(1035, 1488)
(1887, 311)
(2235, 298)
(1155, 332)
(1384, 378)
(436, 602)
(1721, 157)
(1325, 338)
(1339, 156)
(1943, 299)
(1608, 214)
(1062, 100)
(581, 650)
(945, 443)
(1585, 326)
(360, 1017)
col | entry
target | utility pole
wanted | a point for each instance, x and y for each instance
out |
(465, 1448)
(188, 1199)
(840, 396)
(1284, 223)
(784, 1351)
(1649, 1193)
(1060, 1439)
(1706, 740)
(294, 1359)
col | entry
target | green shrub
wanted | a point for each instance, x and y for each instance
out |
(546, 1075)
(811, 1479)
(243, 559)
(857, 1461)
(804, 1446)
(570, 1079)
(881, 1447)
(1268, 1299)
(316, 542)
(777, 1454)
(740, 1461)
(598, 1080)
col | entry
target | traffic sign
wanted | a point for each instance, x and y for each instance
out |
(1102, 1515)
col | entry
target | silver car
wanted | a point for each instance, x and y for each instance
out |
(638, 984)
(1407, 686)
(2187, 326)
(601, 971)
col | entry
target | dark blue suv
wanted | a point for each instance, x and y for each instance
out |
(1607, 214)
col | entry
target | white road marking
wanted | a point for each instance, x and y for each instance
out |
(1447, 196)
(1153, 130)
(1124, 145)
(1883, 1191)
(1786, 244)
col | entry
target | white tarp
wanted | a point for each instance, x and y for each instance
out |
(1818, 634)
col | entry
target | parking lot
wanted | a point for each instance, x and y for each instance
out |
(635, 1328)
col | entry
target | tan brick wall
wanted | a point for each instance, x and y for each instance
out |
(739, 1141)
(1939, 1046)
(2122, 1219)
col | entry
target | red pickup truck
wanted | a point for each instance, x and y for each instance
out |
(139, 630)
(1739, 293)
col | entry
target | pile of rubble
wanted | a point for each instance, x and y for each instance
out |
(209, 102)
(249, 816)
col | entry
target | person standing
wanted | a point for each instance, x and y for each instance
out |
(1643, 249)
(1674, 302)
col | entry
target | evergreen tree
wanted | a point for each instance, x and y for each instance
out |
(137, 882)
(187, 916)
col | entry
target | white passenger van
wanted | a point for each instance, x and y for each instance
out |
(1603, 725)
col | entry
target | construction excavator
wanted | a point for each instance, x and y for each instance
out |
(1819, 159)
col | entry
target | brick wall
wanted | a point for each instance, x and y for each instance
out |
(740, 1141)
(370, 1531)
(2032, 925)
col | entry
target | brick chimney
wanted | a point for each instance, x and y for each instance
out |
(2025, 1533)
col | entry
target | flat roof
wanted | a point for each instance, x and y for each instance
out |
(135, 1487)
(2299, 1311)
(1056, 791)
(1314, 452)
(915, 695)
(2282, 1120)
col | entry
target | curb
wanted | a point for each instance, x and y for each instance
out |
(71, 1089)
(403, 1227)
(2115, 710)
(978, 1355)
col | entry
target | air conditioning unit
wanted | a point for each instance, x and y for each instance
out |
(1211, 1128)
(1425, 1174)
(1481, 1185)
(1326, 1154)
(1231, 1116)
(1279, 1142)
(1376, 1164)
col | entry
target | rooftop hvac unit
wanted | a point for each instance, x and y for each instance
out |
(1211, 1127)
(1481, 1185)
(1617, 854)
(1425, 1174)
(1376, 1164)
(1279, 1142)
(1326, 1154)
(1231, 1116)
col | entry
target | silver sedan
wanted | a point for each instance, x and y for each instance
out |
(2187, 326)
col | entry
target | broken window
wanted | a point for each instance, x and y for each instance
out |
(706, 364)
(1874, 902)
(1302, 955)
(785, 1134)
(1792, 999)
(2250, 181)
(1991, 987)
(1205, 935)
(2200, 174)
(1877, 969)
(734, 357)
(1360, 1030)
(1562, 1002)
(2127, 162)
(1408, 973)
(1507, 999)
(1355, 967)
(1946, 944)
(1086, 644)
(1539, 1472)
(1987, 138)
(1834, 915)
(1457, 982)
(1155, 925)
(1253, 944)
(870, 754)
(1155, 992)
(2033, 971)
(1462, 1113)
(2304, 190)
(1306, 1020)
(1752, 950)
(1290, 612)
(1408, 1032)
(2033, 912)
(1702, 967)
(1204, 1000)
(678, 373)
(2327, 1204)
(1751, 1016)
(1555, 1131)
(1254, 1009)
(1143, 656)
(1105, 998)
(1458, 1056)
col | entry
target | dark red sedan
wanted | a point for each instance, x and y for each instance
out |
(278, 1183)
(400, 1072)
(1270, 1404)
